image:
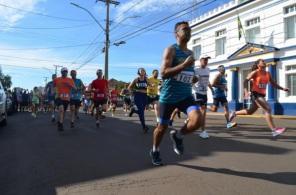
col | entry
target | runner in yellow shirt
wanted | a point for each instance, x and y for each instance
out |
(152, 92)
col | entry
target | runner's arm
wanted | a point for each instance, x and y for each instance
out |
(246, 81)
(132, 84)
(275, 85)
(166, 69)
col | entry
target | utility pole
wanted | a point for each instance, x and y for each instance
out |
(56, 68)
(45, 80)
(107, 41)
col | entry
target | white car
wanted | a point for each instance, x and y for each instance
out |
(3, 110)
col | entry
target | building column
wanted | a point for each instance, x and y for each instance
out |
(272, 92)
(234, 103)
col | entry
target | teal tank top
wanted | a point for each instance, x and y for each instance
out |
(218, 92)
(178, 87)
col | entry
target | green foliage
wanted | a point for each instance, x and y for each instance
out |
(5, 80)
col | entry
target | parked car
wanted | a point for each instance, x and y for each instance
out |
(3, 107)
(9, 105)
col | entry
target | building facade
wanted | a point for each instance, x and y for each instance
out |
(269, 33)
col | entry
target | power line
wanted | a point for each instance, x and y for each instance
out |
(55, 47)
(18, 66)
(46, 28)
(161, 20)
(87, 49)
(41, 14)
(34, 59)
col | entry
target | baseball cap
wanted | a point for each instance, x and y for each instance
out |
(205, 56)
(64, 69)
(99, 71)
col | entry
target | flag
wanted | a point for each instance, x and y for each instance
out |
(240, 28)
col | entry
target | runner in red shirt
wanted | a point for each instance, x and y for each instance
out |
(63, 86)
(100, 89)
(113, 100)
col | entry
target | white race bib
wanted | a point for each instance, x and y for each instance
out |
(64, 95)
(184, 77)
(100, 95)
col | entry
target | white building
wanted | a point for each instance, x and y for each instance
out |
(270, 32)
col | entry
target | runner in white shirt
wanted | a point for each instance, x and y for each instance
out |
(200, 89)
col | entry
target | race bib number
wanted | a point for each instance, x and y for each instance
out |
(185, 77)
(64, 95)
(100, 95)
(262, 86)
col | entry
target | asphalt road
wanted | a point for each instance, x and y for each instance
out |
(114, 159)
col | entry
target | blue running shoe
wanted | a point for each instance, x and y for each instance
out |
(156, 160)
(177, 142)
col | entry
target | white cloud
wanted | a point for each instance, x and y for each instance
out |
(150, 6)
(10, 16)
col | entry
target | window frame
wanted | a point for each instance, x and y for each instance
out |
(285, 17)
(221, 34)
(289, 72)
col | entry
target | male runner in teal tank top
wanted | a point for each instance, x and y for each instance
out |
(177, 72)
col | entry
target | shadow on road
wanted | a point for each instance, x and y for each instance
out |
(36, 159)
(288, 178)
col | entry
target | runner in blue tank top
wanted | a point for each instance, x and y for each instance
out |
(177, 72)
(76, 97)
(219, 95)
(139, 89)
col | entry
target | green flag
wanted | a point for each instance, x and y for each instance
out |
(240, 28)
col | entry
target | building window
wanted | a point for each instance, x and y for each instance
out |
(253, 21)
(197, 51)
(253, 35)
(196, 41)
(290, 9)
(291, 79)
(220, 42)
(290, 21)
(253, 30)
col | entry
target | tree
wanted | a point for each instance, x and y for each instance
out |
(5, 80)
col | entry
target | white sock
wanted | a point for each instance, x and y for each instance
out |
(154, 149)
(157, 119)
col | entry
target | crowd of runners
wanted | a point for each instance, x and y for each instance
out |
(183, 88)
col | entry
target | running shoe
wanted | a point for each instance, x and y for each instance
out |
(98, 123)
(60, 126)
(72, 125)
(278, 131)
(132, 112)
(155, 158)
(230, 125)
(232, 116)
(145, 129)
(204, 135)
(177, 142)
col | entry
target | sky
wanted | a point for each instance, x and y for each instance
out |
(38, 34)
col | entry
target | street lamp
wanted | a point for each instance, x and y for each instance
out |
(76, 5)
(119, 43)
